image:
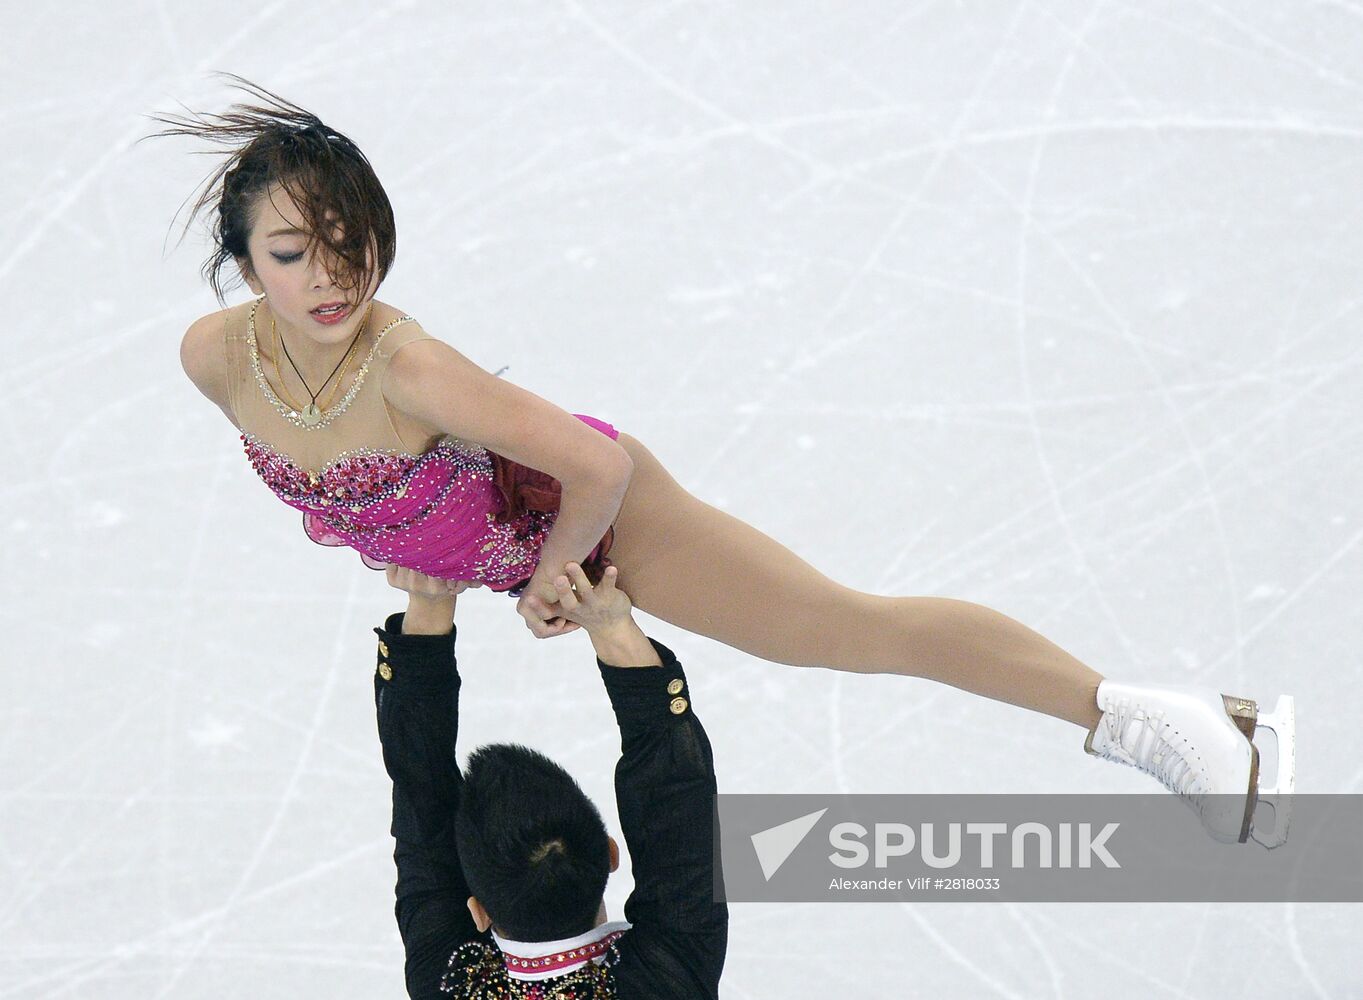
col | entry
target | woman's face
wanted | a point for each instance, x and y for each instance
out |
(293, 283)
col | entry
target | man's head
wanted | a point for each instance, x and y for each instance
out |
(533, 847)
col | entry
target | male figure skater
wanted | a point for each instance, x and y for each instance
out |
(501, 869)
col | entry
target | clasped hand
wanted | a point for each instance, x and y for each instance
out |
(578, 604)
(550, 607)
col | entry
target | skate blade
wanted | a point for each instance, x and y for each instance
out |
(1273, 811)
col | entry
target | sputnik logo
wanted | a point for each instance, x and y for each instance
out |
(776, 844)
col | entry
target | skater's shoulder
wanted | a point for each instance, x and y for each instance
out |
(202, 344)
(396, 327)
(213, 319)
(209, 333)
(203, 357)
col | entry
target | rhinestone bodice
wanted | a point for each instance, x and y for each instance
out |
(449, 508)
(351, 478)
(436, 512)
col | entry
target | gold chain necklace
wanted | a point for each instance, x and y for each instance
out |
(340, 380)
(312, 413)
(279, 376)
(275, 351)
(289, 413)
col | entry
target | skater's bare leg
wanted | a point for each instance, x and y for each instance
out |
(697, 567)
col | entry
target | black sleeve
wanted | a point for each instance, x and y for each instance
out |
(665, 791)
(416, 695)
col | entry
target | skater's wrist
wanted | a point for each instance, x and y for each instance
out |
(414, 660)
(643, 698)
(623, 644)
(428, 615)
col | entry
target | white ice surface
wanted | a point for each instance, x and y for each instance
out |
(1054, 307)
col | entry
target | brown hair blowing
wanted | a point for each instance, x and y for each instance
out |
(322, 170)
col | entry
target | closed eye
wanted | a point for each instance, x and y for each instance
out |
(288, 258)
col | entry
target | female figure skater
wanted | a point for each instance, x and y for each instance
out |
(393, 443)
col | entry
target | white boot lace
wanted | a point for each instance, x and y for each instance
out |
(1142, 740)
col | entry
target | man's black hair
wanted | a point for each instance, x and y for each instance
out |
(532, 845)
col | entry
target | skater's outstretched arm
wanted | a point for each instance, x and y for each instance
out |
(416, 694)
(664, 790)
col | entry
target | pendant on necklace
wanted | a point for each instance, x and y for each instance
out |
(311, 414)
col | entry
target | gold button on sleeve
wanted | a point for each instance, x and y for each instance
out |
(385, 671)
(674, 686)
(678, 706)
(383, 648)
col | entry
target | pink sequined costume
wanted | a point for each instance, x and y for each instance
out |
(451, 509)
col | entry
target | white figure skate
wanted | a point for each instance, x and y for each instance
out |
(1200, 745)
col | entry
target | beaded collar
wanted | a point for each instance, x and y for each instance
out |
(288, 412)
(581, 968)
(544, 959)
